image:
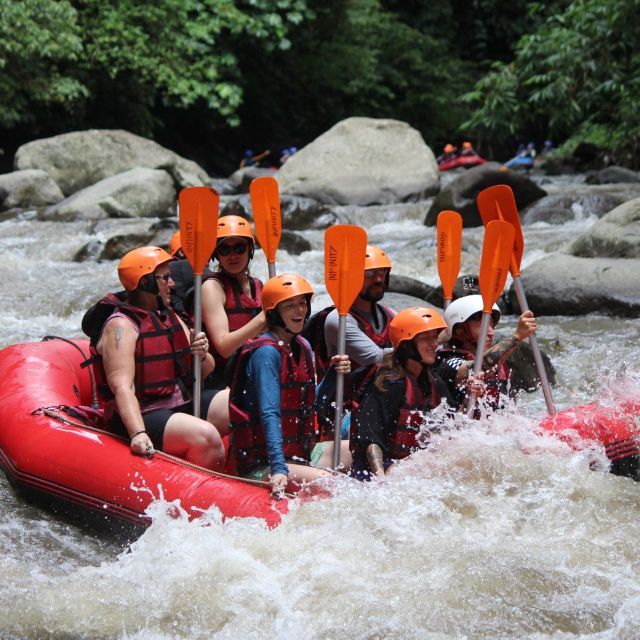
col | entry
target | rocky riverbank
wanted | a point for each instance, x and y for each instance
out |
(126, 188)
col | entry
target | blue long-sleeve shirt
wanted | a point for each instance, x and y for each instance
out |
(262, 398)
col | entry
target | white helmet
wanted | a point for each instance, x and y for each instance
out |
(462, 309)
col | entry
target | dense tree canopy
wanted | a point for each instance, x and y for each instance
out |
(211, 77)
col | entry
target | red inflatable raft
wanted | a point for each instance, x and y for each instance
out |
(615, 425)
(465, 162)
(50, 456)
(53, 458)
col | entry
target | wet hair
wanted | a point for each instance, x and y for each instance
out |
(394, 365)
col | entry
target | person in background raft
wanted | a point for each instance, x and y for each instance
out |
(449, 153)
(183, 278)
(468, 150)
(273, 392)
(394, 405)
(142, 356)
(455, 358)
(251, 160)
(231, 299)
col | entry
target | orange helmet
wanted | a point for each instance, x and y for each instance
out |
(138, 263)
(467, 145)
(408, 323)
(449, 148)
(174, 244)
(376, 258)
(236, 226)
(283, 287)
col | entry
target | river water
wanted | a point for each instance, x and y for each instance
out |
(493, 531)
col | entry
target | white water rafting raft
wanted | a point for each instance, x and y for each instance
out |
(52, 457)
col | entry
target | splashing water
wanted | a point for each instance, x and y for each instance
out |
(494, 530)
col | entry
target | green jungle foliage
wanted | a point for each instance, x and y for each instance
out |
(211, 77)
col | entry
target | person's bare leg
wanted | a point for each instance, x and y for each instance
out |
(195, 440)
(326, 459)
(218, 412)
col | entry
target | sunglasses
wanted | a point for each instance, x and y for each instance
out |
(166, 277)
(226, 249)
(370, 273)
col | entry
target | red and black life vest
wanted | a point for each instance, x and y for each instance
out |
(497, 378)
(162, 353)
(381, 339)
(403, 439)
(297, 390)
(240, 307)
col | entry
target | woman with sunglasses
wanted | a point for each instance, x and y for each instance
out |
(231, 298)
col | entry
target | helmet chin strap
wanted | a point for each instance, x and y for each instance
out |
(466, 335)
(275, 318)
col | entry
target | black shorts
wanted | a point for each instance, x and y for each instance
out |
(155, 422)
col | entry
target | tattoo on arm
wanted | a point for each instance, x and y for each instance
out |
(374, 457)
(118, 336)
(500, 352)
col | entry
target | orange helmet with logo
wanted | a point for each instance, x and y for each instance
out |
(138, 263)
(283, 287)
(235, 226)
(376, 258)
(174, 244)
(408, 323)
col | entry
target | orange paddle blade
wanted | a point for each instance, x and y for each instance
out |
(449, 238)
(497, 249)
(198, 225)
(265, 202)
(499, 203)
(345, 247)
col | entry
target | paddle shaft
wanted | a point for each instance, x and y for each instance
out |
(537, 355)
(337, 428)
(197, 362)
(272, 269)
(477, 363)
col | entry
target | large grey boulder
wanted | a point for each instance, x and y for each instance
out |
(524, 374)
(111, 239)
(616, 235)
(297, 213)
(136, 193)
(241, 179)
(612, 175)
(460, 195)
(28, 188)
(415, 288)
(564, 207)
(561, 284)
(362, 161)
(79, 159)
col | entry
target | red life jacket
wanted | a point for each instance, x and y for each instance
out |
(497, 378)
(240, 307)
(162, 353)
(381, 339)
(247, 448)
(403, 438)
